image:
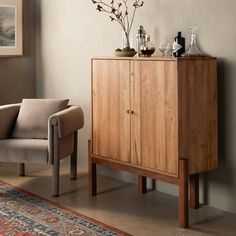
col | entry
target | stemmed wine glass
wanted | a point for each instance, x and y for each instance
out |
(162, 48)
(169, 48)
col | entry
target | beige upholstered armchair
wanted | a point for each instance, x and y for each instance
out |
(40, 131)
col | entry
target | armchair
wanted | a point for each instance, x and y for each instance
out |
(60, 142)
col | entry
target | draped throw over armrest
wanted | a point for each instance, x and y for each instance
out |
(68, 121)
(8, 116)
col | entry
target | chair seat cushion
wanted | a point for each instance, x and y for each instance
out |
(24, 150)
(32, 121)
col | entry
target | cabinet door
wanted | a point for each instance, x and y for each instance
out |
(110, 102)
(154, 123)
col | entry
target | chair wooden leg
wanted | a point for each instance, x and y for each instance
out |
(21, 169)
(92, 174)
(56, 164)
(183, 194)
(142, 184)
(55, 178)
(194, 191)
(73, 160)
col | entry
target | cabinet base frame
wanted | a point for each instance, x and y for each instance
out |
(183, 181)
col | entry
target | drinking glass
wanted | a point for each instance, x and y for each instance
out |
(169, 50)
(162, 48)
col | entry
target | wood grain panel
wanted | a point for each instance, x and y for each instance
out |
(111, 100)
(198, 114)
(154, 134)
(171, 117)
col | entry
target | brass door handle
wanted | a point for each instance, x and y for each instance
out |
(129, 112)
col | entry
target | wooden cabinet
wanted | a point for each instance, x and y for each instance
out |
(157, 118)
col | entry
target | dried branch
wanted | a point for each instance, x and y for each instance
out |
(119, 12)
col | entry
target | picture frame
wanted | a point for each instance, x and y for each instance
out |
(11, 28)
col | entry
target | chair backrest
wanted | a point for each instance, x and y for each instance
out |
(8, 116)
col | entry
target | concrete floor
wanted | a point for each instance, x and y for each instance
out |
(118, 204)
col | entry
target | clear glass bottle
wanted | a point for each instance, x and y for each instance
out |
(147, 48)
(140, 39)
(193, 50)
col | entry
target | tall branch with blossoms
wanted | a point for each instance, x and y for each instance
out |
(119, 12)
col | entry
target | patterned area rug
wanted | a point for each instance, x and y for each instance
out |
(23, 213)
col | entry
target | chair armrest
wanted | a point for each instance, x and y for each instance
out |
(8, 116)
(65, 123)
(68, 120)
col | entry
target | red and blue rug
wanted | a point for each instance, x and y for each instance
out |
(23, 213)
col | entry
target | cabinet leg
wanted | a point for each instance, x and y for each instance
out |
(92, 174)
(21, 169)
(142, 184)
(183, 193)
(153, 184)
(194, 191)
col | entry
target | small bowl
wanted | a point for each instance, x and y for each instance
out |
(125, 53)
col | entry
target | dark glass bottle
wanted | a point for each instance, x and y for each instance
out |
(181, 41)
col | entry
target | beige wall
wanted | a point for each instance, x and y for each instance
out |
(17, 74)
(70, 32)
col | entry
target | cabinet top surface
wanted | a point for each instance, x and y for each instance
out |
(154, 58)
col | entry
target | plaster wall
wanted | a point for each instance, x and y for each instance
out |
(18, 74)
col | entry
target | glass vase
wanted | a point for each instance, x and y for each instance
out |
(127, 40)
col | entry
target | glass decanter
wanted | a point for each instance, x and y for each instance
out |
(147, 48)
(193, 50)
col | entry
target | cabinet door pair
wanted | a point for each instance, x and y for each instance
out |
(134, 106)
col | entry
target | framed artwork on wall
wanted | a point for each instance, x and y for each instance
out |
(11, 27)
